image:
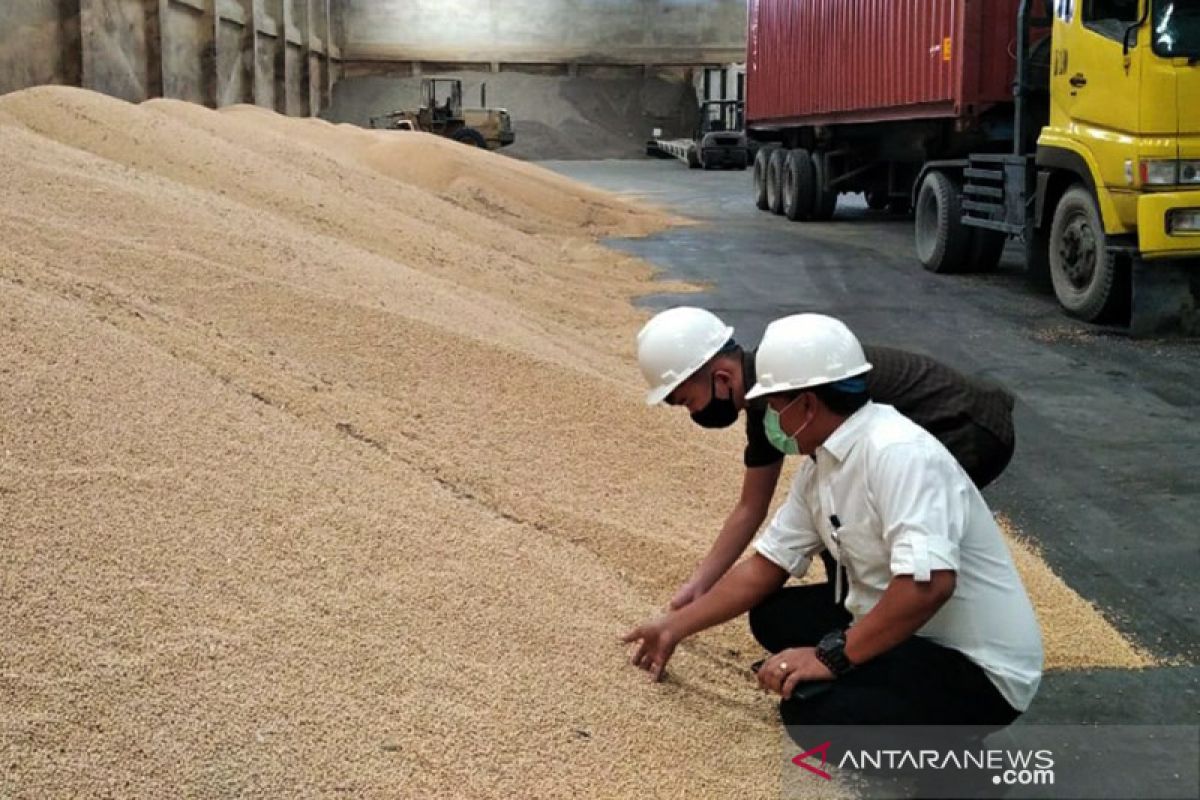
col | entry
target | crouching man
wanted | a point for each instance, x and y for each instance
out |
(936, 628)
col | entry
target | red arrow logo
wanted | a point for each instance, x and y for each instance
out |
(823, 749)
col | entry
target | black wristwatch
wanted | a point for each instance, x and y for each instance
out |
(831, 651)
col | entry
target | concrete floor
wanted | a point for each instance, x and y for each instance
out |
(1107, 471)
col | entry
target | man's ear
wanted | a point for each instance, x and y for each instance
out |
(723, 376)
(813, 404)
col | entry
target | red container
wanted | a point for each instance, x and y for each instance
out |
(824, 62)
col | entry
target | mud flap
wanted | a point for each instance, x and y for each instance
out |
(1166, 298)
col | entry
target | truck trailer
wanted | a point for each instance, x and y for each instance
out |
(1072, 126)
(718, 141)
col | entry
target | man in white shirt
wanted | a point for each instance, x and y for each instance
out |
(691, 361)
(936, 627)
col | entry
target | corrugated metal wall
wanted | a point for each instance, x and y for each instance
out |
(824, 61)
(281, 54)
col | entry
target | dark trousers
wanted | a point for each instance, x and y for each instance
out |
(918, 682)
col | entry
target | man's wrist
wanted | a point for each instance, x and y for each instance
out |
(854, 645)
(682, 623)
(831, 651)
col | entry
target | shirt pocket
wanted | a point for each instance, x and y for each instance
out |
(864, 554)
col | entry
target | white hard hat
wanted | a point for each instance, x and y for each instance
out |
(674, 344)
(806, 350)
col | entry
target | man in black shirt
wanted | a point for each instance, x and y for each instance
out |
(689, 359)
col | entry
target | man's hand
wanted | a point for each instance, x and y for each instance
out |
(689, 592)
(781, 672)
(741, 589)
(656, 642)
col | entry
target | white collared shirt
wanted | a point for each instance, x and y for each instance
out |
(904, 506)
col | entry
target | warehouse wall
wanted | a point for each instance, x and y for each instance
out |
(281, 54)
(33, 43)
(497, 33)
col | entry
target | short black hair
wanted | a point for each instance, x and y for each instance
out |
(838, 401)
(730, 349)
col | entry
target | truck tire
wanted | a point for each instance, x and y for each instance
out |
(693, 158)
(824, 201)
(942, 240)
(1082, 270)
(798, 182)
(775, 164)
(985, 250)
(877, 199)
(470, 137)
(760, 177)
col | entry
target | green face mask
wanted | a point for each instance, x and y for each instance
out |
(775, 435)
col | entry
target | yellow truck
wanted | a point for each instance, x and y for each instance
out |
(1072, 126)
(1117, 198)
(1107, 199)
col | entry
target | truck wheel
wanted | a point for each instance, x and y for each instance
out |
(693, 158)
(760, 177)
(985, 250)
(798, 183)
(824, 201)
(942, 239)
(1083, 271)
(470, 137)
(775, 166)
(877, 199)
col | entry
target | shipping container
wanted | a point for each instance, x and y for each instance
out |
(821, 62)
(876, 90)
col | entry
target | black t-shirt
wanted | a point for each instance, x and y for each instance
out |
(941, 400)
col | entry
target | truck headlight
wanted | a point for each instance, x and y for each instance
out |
(1160, 173)
(1183, 220)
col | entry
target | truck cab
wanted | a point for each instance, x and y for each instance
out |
(720, 138)
(1118, 198)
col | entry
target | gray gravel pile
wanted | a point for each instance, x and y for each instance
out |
(555, 117)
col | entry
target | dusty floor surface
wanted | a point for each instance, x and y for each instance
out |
(324, 471)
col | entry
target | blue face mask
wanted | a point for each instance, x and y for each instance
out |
(775, 435)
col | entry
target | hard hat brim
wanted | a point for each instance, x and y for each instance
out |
(659, 393)
(758, 390)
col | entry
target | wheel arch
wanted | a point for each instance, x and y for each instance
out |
(1066, 165)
